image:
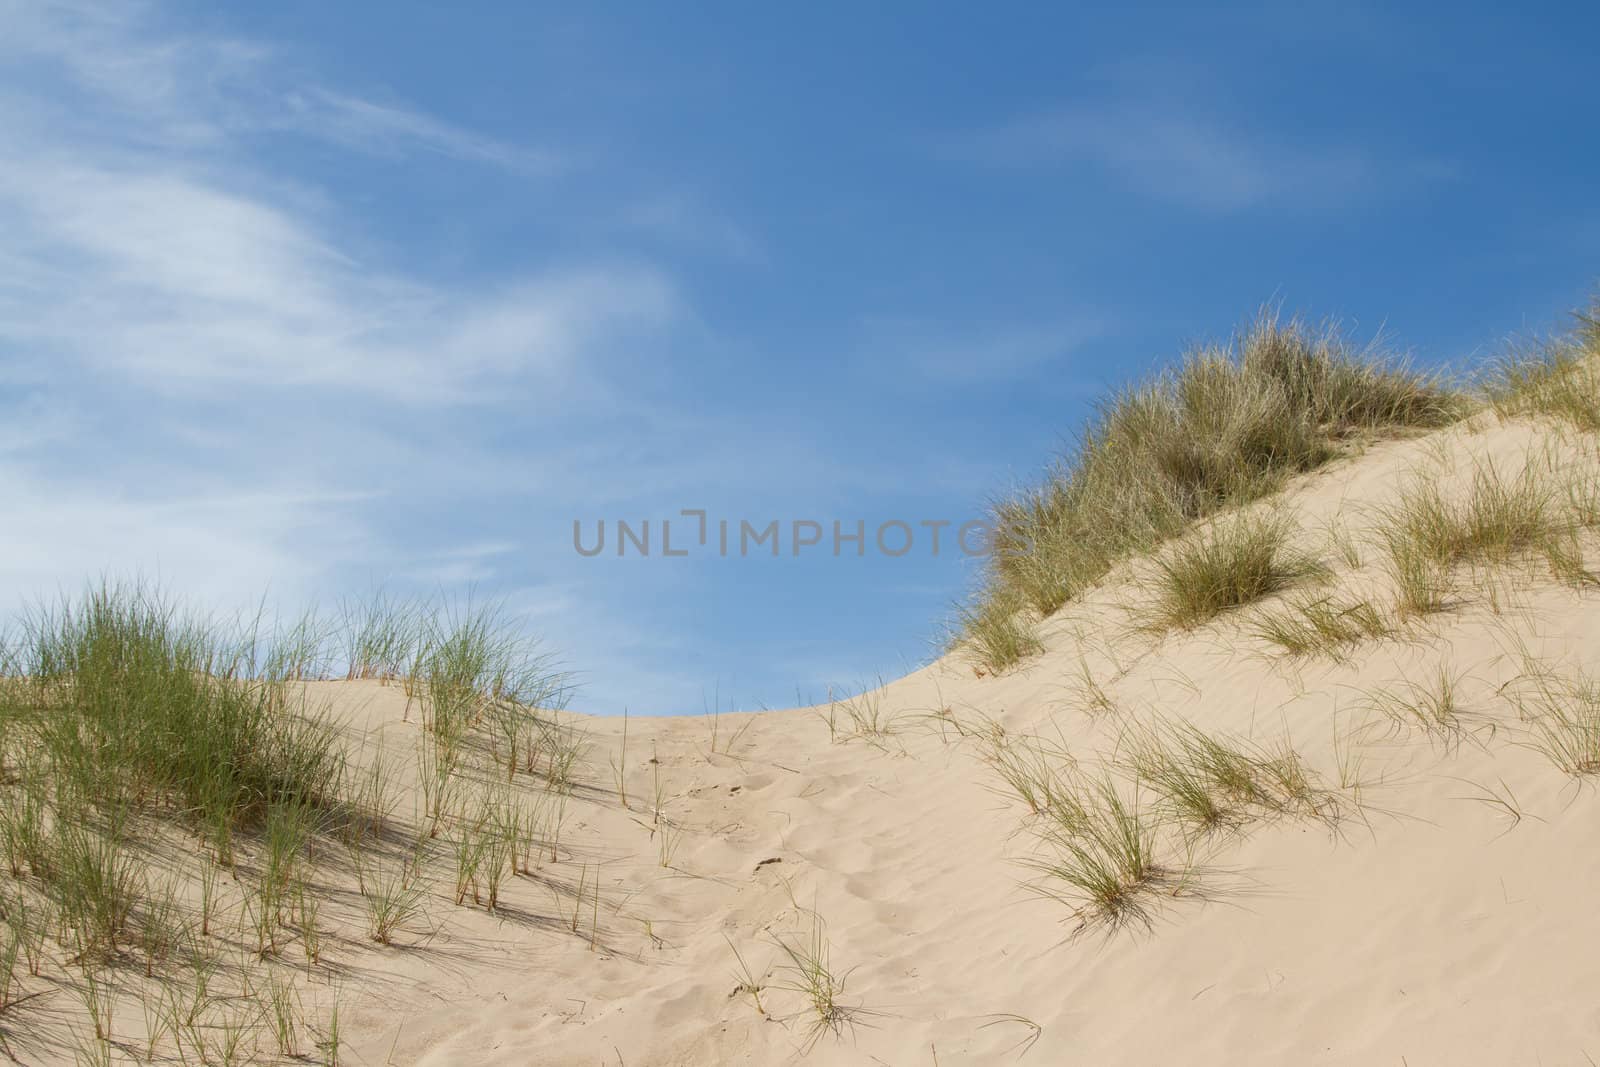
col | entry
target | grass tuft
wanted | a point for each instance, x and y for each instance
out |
(1315, 624)
(1210, 784)
(1105, 865)
(1032, 769)
(1536, 514)
(998, 633)
(812, 976)
(1233, 563)
(1560, 380)
(865, 716)
(1434, 708)
(1563, 717)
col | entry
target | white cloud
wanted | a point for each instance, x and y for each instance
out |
(223, 550)
(152, 84)
(162, 288)
(163, 277)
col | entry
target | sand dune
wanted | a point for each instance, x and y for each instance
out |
(1428, 900)
(1429, 928)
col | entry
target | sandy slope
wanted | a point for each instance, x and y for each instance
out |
(1428, 927)
(1431, 932)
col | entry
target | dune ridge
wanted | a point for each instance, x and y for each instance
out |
(1308, 782)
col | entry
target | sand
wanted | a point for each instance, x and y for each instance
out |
(1430, 925)
(1432, 929)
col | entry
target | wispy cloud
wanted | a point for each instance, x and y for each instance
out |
(945, 354)
(209, 374)
(688, 221)
(156, 274)
(224, 550)
(393, 130)
(152, 84)
(1183, 155)
(165, 255)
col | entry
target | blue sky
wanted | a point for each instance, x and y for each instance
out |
(300, 298)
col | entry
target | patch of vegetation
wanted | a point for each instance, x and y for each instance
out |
(1034, 770)
(1225, 427)
(998, 632)
(132, 729)
(1563, 720)
(1234, 562)
(1320, 624)
(1427, 532)
(1105, 864)
(1434, 708)
(1560, 379)
(127, 700)
(1210, 783)
(813, 977)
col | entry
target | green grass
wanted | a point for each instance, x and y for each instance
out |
(1032, 769)
(1205, 785)
(129, 699)
(1224, 427)
(382, 635)
(1104, 865)
(812, 976)
(133, 728)
(476, 667)
(96, 884)
(1234, 562)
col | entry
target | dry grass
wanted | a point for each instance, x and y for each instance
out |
(1321, 624)
(1231, 563)
(1559, 379)
(1209, 783)
(1224, 427)
(1536, 514)
(1563, 719)
(863, 717)
(1433, 707)
(998, 633)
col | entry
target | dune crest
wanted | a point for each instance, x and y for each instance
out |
(1310, 782)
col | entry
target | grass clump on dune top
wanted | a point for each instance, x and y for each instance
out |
(130, 726)
(1224, 427)
(998, 632)
(131, 699)
(1561, 380)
